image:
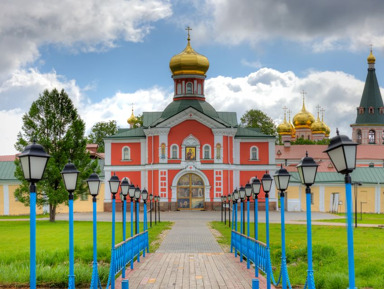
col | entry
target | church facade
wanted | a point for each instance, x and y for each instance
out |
(189, 154)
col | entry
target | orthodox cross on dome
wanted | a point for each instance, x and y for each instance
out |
(322, 114)
(318, 110)
(303, 92)
(289, 114)
(285, 111)
(188, 29)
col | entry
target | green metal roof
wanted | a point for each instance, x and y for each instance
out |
(250, 132)
(228, 117)
(7, 171)
(178, 106)
(364, 175)
(150, 117)
(371, 98)
(129, 133)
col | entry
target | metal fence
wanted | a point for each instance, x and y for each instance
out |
(125, 253)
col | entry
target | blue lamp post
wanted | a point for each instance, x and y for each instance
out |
(256, 190)
(94, 186)
(33, 163)
(131, 192)
(307, 171)
(282, 180)
(70, 174)
(236, 199)
(144, 196)
(114, 184)
(248, 194)
(124, 192)
(137, 199)
(342, 152)
(229, 198)
(242, 212)
(266, 182)
(150, 209)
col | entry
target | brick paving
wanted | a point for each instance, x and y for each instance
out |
(190, 257)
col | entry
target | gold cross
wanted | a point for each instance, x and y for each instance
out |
(188, 29)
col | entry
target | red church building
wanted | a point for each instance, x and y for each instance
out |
(189, 154)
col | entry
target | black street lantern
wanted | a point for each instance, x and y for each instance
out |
(282, 179)
(70, 174)
(144, 195)
(131, 191)
(137, 193)
(307, 170)
(33, 161)
(93, 184)
(256, 187)
(248, 191)
(266, 182)
(342, 152)
(151, 197)
(124, 187)
(114, 183)
(242, 193)
(236, 195)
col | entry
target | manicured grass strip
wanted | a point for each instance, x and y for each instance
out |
(23, 217)
(374, 219)
(52, 251)
(329, 254)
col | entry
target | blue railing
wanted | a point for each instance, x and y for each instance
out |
(252, 250)
(125, 253)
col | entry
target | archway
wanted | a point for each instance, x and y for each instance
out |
(190, 192)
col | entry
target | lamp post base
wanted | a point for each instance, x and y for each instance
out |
(95, 281)
(71, 282)
(310, 282)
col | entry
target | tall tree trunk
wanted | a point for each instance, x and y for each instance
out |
(52, 212)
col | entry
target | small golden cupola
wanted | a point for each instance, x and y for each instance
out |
(132, 120)
(371, 59)
(303, 119)
(327, 128)
(285, 127)
(318, 127)
(189, 61)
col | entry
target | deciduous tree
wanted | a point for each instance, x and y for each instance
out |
(53, 122)
(257, 119)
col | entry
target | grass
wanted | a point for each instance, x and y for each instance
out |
(375, 219)
(329, 254)
(23, 217)
(52, 251)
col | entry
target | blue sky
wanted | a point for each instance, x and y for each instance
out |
(108, 55)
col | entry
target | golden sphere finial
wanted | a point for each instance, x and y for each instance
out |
(371, 58)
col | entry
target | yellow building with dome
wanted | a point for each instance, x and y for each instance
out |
(303, 126)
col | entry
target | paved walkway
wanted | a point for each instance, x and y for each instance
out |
(190, 257)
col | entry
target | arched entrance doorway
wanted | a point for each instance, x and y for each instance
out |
(190, 192)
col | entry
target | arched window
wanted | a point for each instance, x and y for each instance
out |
(372, 137)
(189, 87)
(126, 154)
(163, 150)
(359, 136)
(207, 152)
(218, 151)
(254, 153)
(371, 110)
(174, 152)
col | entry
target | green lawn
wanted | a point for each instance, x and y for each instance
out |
(24, 217)
(329, 254)
(52, 251)
(376, 219)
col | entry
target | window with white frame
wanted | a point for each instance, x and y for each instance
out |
(126, 154)
(254, 153)
(189, 87)
(207, 152)
(174, 152)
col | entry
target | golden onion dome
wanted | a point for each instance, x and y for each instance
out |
(189, 62)
(371, 58)
(132, 119)
(284, 128)
(318, 126)
(303, 119)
